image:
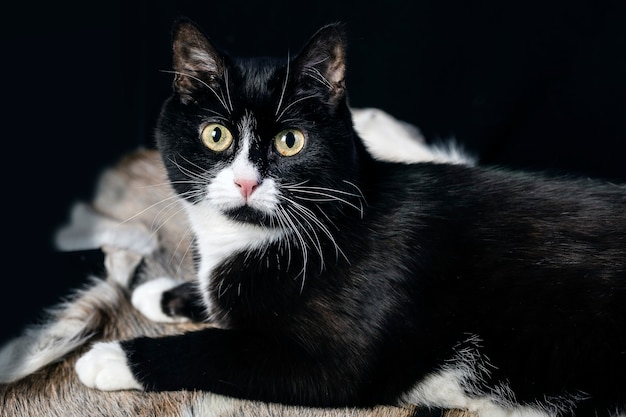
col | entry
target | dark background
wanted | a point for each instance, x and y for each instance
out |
(526, 84)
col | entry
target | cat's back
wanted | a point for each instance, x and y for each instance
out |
(488, 222)
(468, 193)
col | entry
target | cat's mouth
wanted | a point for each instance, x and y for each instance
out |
(247, 214)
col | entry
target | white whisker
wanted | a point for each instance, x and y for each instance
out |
(282, 93)
(292, 104)
(309, 221)
(317, 75)
(228, 90)
(361, 199)
(156, 219)
(151, 206)
(283, 225)
(188, 232)
(325, 196)
(218, 114)
(309, 213)
(302, 242)
(301, 212)
(300, 186)
(158, 227)
(195, 177)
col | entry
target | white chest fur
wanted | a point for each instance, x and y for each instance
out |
(219, 237)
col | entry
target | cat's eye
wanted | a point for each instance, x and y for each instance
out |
(216, 137)
(289, 142)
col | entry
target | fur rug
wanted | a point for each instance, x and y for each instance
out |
(137, 222)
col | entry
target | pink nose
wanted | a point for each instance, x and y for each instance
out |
(246, 186)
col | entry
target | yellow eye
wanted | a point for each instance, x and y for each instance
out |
(289, 142)
(216, 137)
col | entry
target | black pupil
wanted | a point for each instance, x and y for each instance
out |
(290, 139)
(216, 134)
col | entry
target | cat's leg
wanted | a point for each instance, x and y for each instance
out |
(251, 366)
(167, 300)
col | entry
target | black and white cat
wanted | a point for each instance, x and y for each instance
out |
(337, 279)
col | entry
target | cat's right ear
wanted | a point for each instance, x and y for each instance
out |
(323, 60)
(197, 64)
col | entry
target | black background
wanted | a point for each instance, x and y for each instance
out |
(526, 84)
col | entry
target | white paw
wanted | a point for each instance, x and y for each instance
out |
(104, 367)
(147, 299)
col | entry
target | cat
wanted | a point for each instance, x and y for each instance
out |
(336, 279)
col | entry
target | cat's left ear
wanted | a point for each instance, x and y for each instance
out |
(197, 63)
(323, 60)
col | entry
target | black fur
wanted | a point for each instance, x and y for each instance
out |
(525, 273)
(184, 301)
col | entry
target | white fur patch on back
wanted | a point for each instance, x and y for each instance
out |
(444, 389)
(458, 385)
(390, 139)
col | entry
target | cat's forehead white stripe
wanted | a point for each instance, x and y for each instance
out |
(242, 166)
(246, 128)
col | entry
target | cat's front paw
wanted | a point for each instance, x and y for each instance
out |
(105, 367)
(148, 297)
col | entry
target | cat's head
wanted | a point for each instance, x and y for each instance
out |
(261, 140)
